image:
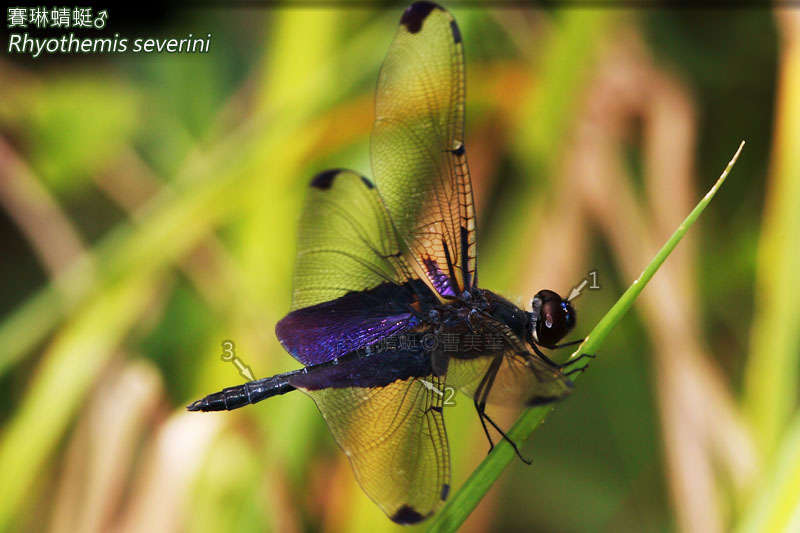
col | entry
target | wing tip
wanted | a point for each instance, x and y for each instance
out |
(455, 31)
(324, 180)
(544, 400)
(407, 515)
(366, 181)
(415, 14)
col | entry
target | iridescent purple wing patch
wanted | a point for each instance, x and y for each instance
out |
(328, 330)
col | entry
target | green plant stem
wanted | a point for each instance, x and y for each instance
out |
(470, 494)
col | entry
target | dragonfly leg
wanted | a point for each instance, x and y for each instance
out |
(481, 395)
(575, 370)
(543, 356)
(581, 356)
(508, 440)
(566, 344)
(561, 365)
(480, 409)
(480, 405)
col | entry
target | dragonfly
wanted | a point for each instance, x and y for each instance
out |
(386, 295)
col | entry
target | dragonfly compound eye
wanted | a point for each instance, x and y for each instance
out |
(554, 317)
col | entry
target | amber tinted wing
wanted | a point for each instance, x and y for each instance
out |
(346, 241)
(388, 422)
(352, 286)
(523, 378)
(417, 149)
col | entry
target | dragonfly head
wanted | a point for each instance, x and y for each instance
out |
(552, 318)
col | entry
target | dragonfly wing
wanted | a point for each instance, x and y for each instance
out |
(417, 148)
(390, 426)
(346, 241)
(328, 330)
(521, 380)
(352, 285)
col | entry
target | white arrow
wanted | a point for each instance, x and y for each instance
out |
(243, 369)
(576, 291)
(431, 386)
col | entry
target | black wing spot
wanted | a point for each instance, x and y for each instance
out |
(456, 31)
(459, 151)
(367, 182)
(324, 179)
(542, 400)
(406, 515)
(415, 15)
(445, 492)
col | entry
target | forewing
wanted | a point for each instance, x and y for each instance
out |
(417, 147)
(388, 422)
(346, 240)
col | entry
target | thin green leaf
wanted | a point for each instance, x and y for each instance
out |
(467, 498)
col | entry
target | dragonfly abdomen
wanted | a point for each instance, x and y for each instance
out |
(245, 394)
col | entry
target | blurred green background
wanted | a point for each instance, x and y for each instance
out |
(148, 206)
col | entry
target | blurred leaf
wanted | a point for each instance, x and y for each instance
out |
(226, 494)
(777, 503)
(773, 366)
(542, 123)
(177, 339)
(211, 185)
(75, 127)
(70, 366)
